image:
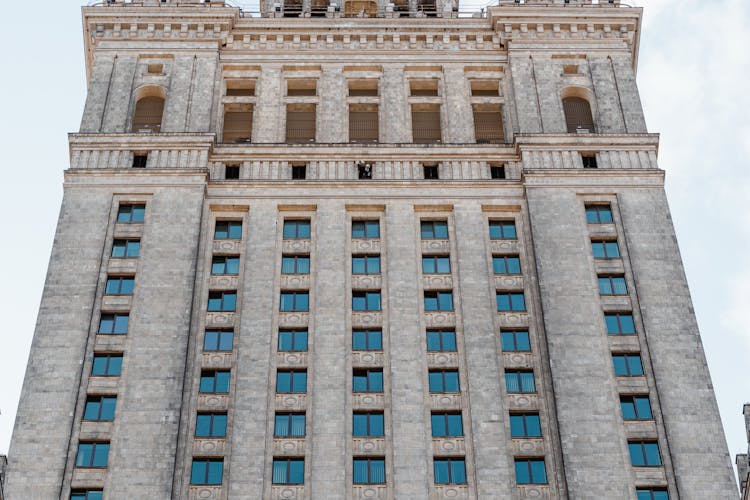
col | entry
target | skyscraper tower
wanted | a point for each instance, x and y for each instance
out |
(363, 249)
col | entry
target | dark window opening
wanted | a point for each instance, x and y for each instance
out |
(140, 160)
(589, 161)
(365, 170)
(497, 171)
(299, 172)
(232, 172)
(431, 172)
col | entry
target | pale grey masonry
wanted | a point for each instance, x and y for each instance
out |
(207, 60)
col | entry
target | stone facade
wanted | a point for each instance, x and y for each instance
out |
(204, 116)
(743, 465)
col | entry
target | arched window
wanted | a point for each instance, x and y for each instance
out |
(578, 114)
(148, 114)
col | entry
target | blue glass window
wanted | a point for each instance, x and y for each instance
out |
(366, 301)
(515, 340)
(207, 471)
(619, 323)
(530, 471)
(107, 365)
(215, 382)
(297, 229)
(288, 471)
(228, 230)
(365, 264)
(120, 285)
(438, 301)
(447, 425)
(368, 380)
(113, 324)
(502, 230)
(598, 214)
(218, 340)
(225, 265)
(365, 229)
(443, 381)
(506, 264)
(368, 425)
(92, 455)
(367, 340)
(88, 495)
(603, 249)
(291, 381)
(434, 230)
(294, 301)
(510, 301)
(627, 365)
(292, 340)
(295, 264)
(222, 301)
(369, 471)
(525, 426)
(517, 381)
(441, 340)
(644, 454)
(131, 213)
(126, 249)
(612, 285)
(100, 408)
(289, 425)
(652, 494)
(636, 408)
(211, 425)
(436, 264)
(449, 471)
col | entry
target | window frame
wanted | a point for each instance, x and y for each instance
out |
(207, 471)
(439, 297)
(606, 246)
(628, 358)
(227, 301)
(294, 333)
(444, 381)
(296, 296)
(506, 260)
(529, 462)
(663, 493)
(367, 260)
(512, 298)
(367, 335)
(514, 333)
(520, 382)
(220, 378)
(594, 213)
(292, 374)
(436, 260)
(612, 285)
(371, 431)
(440, 334)
(123, 285)
(288, 478)
(374, 380)
(451, 472)
(527, 429)
(99, 400)
(367, 233)
(229, 263)
(298, 264)
(126, 244)
(116, 319)
(297, 229)
(230, 227)
(131, 213)
(107, 364)
(499, 227)
(370, 461)
(618, 316)
(646, 448)
(632, 401)
(368, 296)
(445, 416)
(219, 340)
(288, 427)
(87, 494)
(96, 459)
(435, 229)
(215, 430)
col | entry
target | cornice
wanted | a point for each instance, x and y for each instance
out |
(573, 142)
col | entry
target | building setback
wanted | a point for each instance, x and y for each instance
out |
(365, 250)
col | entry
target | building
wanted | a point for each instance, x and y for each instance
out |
(365, 250)
(743, 465)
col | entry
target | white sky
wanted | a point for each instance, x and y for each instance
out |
(693, 76)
